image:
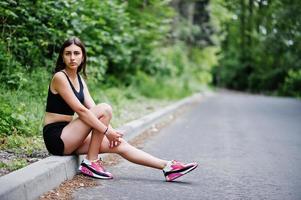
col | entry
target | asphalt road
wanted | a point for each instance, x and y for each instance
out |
(247, 147)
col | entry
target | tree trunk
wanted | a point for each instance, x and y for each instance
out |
(250, 24)
(242, 30)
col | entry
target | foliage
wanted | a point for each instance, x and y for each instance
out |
(137, 61)
(20, 113)
(32, 30)
(19, 144)
(129, 47)
(260, 45)
(292, 84)
(14, 164)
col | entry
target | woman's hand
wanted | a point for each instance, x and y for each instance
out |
(114, 137)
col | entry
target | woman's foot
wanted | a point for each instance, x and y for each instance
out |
(175, 169)
(94, 169)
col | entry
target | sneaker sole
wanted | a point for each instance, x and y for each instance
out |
(87, 172)
(179, 174)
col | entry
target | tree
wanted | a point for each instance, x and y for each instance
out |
(267, 48)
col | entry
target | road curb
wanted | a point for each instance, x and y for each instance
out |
(37, 178)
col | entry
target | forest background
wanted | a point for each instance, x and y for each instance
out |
(142, 52)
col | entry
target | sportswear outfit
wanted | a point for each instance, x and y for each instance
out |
(55, 145)
(52, 132)
(56, 104)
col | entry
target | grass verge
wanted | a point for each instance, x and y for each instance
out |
(19, 149)
(22, 113)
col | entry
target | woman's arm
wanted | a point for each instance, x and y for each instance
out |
(89, 103)
(61, 85)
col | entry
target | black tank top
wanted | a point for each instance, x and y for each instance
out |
(56, 104)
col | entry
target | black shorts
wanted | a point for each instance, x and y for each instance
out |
(52, 137)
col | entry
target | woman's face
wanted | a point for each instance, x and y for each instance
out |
(73, 56)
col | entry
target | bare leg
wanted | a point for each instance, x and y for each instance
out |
(77, 137)
(128, 152)
(77, 133)
(97, 138)
(140, 157)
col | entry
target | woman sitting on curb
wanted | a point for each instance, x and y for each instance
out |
(90, 133)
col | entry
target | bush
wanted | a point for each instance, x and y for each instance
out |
(161, 87)
(11, 120)
(123, 39)
(20, 113)
(292, 84)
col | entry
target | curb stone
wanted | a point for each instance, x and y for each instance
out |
(35, 179)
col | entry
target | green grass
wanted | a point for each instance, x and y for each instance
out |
(14, 164)
(22, 145)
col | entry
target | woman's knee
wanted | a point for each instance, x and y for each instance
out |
(103, 110)
(122, 147)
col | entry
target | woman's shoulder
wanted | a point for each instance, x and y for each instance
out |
(59, 78)
(56, 80)
(58, 75)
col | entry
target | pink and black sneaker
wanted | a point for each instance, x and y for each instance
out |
(94, 169)
(175, 169)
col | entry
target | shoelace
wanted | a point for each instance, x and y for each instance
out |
(175, 162)
(99, 163)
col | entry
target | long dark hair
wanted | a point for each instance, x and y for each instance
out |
(60, 65)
